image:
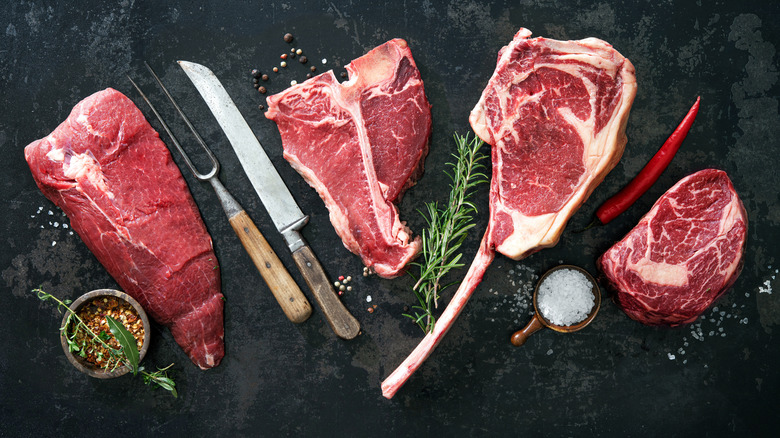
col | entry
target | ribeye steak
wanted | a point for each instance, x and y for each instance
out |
(683, 255)
(108, 170)
(555, 113)
(361, 144)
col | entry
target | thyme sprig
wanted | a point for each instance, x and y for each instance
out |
(127, 355)
(447, 229)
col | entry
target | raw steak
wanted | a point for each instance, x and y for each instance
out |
(107, 169)
(555, 113)
(361, 144)
(683, 255)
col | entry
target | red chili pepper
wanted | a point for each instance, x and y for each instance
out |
(620, 202)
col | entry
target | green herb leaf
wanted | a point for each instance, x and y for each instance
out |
(447, 229)
(127, 341)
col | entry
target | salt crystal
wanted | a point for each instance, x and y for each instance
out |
(51, 213)
(549, 352)
(766, 289)
(368, 299)
(671, 356)
(324, 61)
(53, 243)
(565, 297)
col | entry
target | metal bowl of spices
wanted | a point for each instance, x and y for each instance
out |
(566, 299)
(91, 357)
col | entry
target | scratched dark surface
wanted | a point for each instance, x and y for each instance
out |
(717, 377)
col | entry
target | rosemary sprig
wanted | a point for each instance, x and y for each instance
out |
(447, 229)
(127, 355)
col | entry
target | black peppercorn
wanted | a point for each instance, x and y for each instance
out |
(255, 73)
(313, 68)
(262, 90)
(343, 74)
(288, 38)
(308, 75)
(265, 77)
(303, 59)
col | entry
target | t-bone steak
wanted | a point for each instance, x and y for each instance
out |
(108, 170)
(555, 113)
(361, 144)
(683, 255)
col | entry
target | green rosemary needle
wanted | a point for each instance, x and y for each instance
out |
(447, 229)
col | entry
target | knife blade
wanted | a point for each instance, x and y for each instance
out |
(274, 194)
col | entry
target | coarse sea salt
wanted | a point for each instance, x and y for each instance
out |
(565, 297)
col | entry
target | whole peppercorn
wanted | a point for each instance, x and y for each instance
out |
(308, 75)
(313, 69)
(262, 90)
(343, 74)
(265, 77)
(303, 59)
(255, 73)
(288, 38)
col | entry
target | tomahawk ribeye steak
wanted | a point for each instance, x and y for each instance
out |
(361, 144)
(555, 113)
(108, 170)
(683, 255)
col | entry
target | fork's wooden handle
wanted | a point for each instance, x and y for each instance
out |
(341, 321)
(285, 289)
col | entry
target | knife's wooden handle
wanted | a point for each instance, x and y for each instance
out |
(285, 289)
(341, 321)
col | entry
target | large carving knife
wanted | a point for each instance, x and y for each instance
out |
(276, 198)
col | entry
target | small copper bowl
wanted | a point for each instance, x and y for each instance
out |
(89, 368)
(538, 321)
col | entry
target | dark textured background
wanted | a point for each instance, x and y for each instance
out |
(717, 377)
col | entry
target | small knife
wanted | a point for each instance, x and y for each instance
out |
(281, 206)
